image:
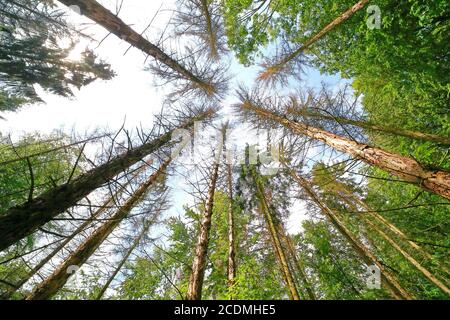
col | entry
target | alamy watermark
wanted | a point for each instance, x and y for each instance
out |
(373, 279)
(374, 19)
(256, 151)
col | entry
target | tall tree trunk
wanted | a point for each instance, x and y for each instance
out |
(231, 269)
(59, 277)
(209, 29)
(417, 135)
(278, 66)
(199, 264)
(387, 278)
(408, 169)
(124, 259)
(21, 221)
(111, 22)
(287, 275)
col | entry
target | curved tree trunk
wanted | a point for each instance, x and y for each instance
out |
(111, 22)
(387, 278)
(407, 169)
(21, 221)
(59, 277)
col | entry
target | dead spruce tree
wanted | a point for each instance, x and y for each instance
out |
(199, 264)
(111, 22)
(202, 20)
(279, 68)
(21, 221)
(264, 109)
(59, 277)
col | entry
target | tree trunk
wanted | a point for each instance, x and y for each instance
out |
(21, 221)
(201, 250)
(199, 264)
(388, 279)
(287, 275)
(209, 29)
(408, 169)
(231, 270)
(416, 135)
(339, 20)
(59, 277)
(111, 22)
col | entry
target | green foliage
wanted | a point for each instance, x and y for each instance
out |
(45, 170)
(31, 54)
(337, 271)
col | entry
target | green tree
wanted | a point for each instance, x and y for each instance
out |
(31, 54)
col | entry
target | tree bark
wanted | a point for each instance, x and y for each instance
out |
(231, 270)
(111, 22)
(59, 277)
(407, 169)
(416, 135)
(209, 29)
(388, 279)
(21, 221)
(287, 275)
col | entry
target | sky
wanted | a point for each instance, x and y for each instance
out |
(131, 97)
